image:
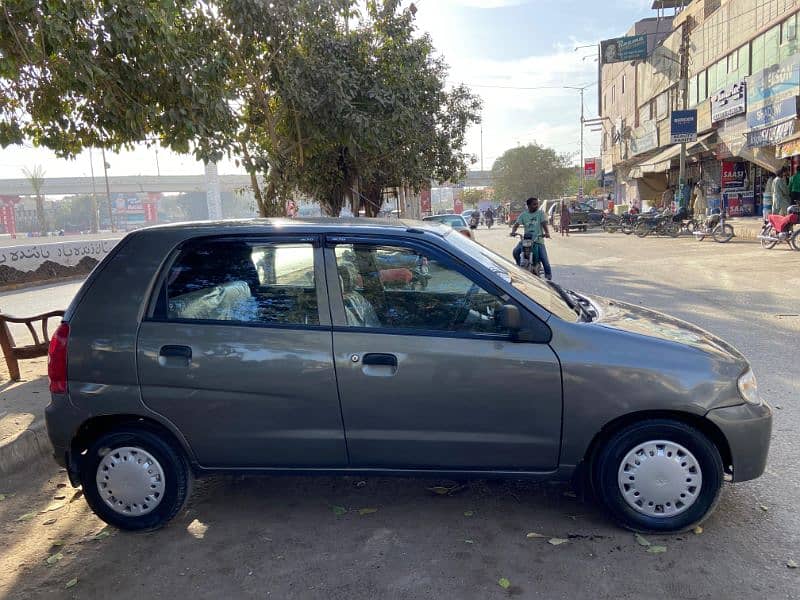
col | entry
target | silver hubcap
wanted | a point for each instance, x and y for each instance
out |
(130, 481)
(660, 478)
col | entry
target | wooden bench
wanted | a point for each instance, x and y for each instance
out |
(12, 353)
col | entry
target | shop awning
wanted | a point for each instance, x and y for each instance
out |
(663, 161)
(763, 157)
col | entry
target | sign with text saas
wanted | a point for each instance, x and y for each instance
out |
(683, 126)
(624, 49)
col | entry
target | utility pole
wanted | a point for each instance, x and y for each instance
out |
(95, 215)
(581, 165)
(108, 190)
(684, 92)
(481, 146)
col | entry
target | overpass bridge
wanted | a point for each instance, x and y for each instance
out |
(131, 184)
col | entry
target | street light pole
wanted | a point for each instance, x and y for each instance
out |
(684, 84)
(481, 147)
(95, 215)
(581, 165)
(108, 190)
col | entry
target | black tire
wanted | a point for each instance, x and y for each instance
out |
(177, 476)
(794, 242)
(609, 458)
(769, 244)
(723, 233)
(642, 229)
(672, 229)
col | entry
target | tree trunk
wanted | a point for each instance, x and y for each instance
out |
(40, 216)
(372, 198)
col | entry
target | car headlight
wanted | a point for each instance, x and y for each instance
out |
(748, 387)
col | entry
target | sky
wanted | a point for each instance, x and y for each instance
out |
(501, 43)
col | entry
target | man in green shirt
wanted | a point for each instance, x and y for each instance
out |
(794, 188)
(534, 223)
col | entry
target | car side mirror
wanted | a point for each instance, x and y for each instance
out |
(510, 318)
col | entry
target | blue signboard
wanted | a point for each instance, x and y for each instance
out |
(772, 113)
(624, 49)
(683, 126)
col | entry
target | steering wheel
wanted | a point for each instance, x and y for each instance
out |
(466, 303)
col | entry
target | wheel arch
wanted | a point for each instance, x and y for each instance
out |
(96, 426)
(708, 428)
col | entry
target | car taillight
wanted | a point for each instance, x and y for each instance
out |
(57, 360)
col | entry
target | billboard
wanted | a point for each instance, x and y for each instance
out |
(729, 102)
(734, 176)
(623, 49)
(683, 126)
(590, 168)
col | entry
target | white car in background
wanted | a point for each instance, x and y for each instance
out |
(457, 222)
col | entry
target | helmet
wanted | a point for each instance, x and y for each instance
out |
(793, 210)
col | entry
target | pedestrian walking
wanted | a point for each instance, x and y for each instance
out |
(766, 197)
(668, 197)
(565, 219)
(699, 202)
(780, 192)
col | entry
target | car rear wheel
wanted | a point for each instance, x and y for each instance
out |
(658, 476)
(135, 479)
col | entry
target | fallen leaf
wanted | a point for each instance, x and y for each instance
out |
(469, 513)
(791, 564)
(504, 583)
(51, 560)
(57, 543)
(439, 490)
(59, 497)
(76, 495)
(49, 521)
(533, 534)
(61, 485)
(71, 583)
(102, 534)
(54, 506)
(657, 549)
(367, 511)
(643, 541)
(557, 541)
(762, 507)
(339, 510)
(26, 517)
(697, 530)
(468, 542)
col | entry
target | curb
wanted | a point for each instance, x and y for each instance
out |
(28, 448)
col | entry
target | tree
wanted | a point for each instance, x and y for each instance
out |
(530, 170)
(36, 178)
(472, 196)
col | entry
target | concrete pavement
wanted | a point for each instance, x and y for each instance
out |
(287, 537)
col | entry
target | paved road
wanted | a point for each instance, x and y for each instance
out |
(280, 537)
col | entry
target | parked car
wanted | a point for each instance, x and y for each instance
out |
(266, 346)
(582, 216)
(457, 222)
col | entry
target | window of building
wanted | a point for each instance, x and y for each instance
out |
(712, 79)
(245, 282)
(757, 47)
(772, 42)
(605, 141)
(789, 45)
(702, 87)
(733, 62)
(403, 288)
(662, 105)
(692, 92)
(744, 61)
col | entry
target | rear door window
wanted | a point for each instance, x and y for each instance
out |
(244, 282)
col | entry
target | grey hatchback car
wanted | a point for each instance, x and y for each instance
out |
(369, 347)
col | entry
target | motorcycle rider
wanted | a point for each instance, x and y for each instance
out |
(475, 219)
(534, 223)
(488, 216)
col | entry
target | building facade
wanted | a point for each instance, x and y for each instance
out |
(741, 59)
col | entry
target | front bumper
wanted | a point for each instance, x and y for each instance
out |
(748, 429)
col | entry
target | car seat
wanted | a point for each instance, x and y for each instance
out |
(358, 310)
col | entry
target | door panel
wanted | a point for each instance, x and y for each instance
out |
(249, 396)
(449, 402)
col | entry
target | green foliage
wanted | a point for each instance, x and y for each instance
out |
(472, 196)
(531, 170)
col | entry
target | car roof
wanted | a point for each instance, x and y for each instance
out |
(303, 225)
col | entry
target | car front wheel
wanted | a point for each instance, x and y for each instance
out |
(658, 476)
(135, 479)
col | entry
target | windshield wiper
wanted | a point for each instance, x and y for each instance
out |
(573, 301)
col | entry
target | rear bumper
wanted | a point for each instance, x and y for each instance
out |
(748, 429)
(62, 420)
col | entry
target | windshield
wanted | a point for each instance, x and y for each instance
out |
(452, 220)
(530, 285)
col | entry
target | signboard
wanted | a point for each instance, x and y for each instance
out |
(788, 149)
(590, 168)
(739, 204)
(644, 138)
(624, 49)
(772, 113)
(734, 176)
(683, 126)
(773, 84)
(729, 102)
(770, 136)
(609, 179)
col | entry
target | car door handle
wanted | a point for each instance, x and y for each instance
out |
(380, 360)
(175, 356)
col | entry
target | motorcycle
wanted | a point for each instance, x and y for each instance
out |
(529, 260)
(611, 223)
(628, 222)
(781, 229)
(489, 220)
(716, 227)
(658, 223)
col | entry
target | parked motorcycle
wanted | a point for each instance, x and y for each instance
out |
(716, 227)
(628, 222)
(610, 223)
(781, 229)
(659, 223)
(529, 260)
